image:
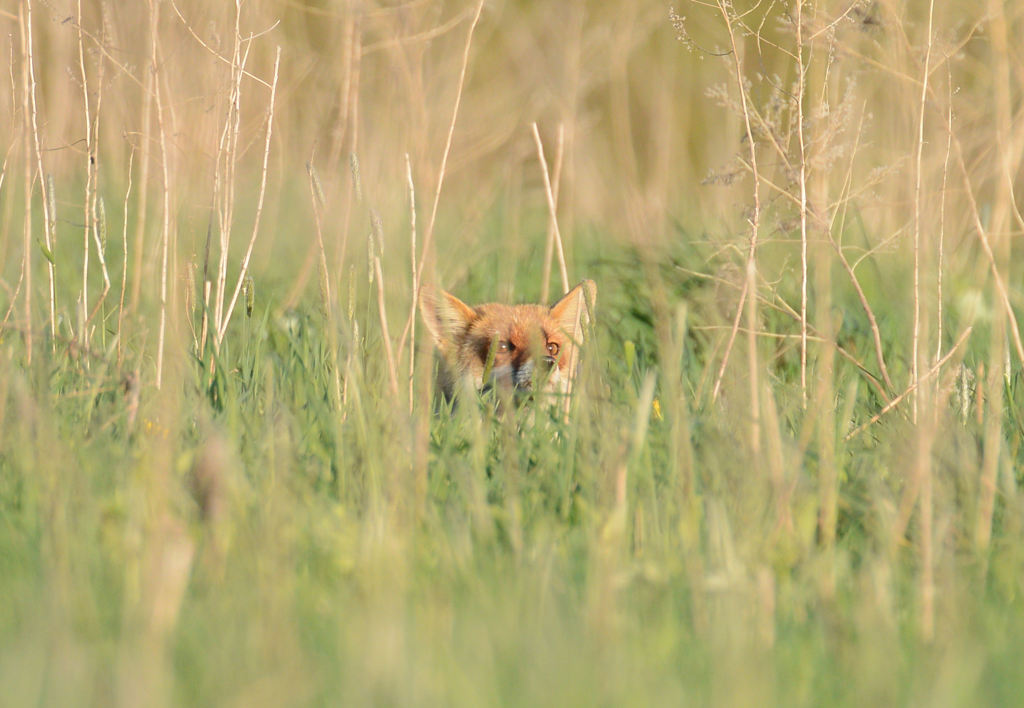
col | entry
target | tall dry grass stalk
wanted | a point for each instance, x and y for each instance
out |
(922, 473)
(244, 268)
(997, 249)
(801, 86)
(89, 212)
(224, 176)
(823, 411)
(351, 54)
(748, 296)
(319, 202)
(326, 298)
(940, 254)
(552, 201)
(124, 261)
(96, 205)
(389, 354)
(165, 222)
(4, 243)
(49, 202)
(412, 269)
(347, 126)
(428, 233)
(143, 142)
(918, 177)
(556, 184)
(26, 264)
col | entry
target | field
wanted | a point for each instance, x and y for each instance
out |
(789, 471)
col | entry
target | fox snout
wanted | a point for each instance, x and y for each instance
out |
(521, 375)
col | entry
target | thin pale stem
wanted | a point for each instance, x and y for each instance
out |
(165, 227)
(415, 282)
(96, 207)
(996, 244)
(26, 264)
(751, 268)
(942, 210)
(124, 264)
(918, 176)
(224, 183)
(552, 210)
(145, 145)
(428, 234)
(549, 246)
(986, 246)
(259, 203)
(316, 193)
(382, 310)
(49, 217)
(925, 433)
(801, 85)
(89, 186)
(325, 280)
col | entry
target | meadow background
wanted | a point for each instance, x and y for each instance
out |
(789, 474)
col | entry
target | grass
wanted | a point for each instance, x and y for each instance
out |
(790, 472)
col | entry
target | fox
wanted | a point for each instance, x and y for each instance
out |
(516, 350)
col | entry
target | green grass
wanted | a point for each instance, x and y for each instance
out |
(322, 574)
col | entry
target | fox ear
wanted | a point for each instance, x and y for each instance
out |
(574, 311)
(445, 315)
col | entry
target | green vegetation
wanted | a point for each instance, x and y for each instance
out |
(790, 470)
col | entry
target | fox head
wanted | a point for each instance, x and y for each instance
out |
(513, 348)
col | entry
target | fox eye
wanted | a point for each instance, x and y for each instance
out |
(552, 348)
(505, 346)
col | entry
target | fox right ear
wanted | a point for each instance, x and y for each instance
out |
(574, 309)
(445, 315)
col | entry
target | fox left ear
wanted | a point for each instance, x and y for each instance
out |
(575, 310)
(445, 315)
